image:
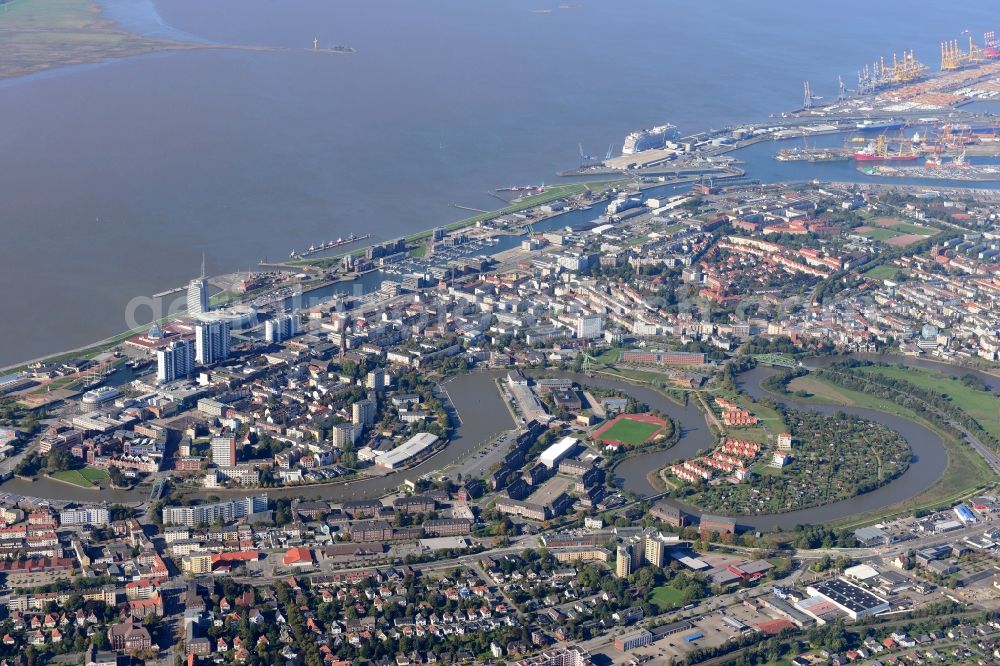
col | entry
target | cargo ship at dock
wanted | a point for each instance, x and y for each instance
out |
(314, 249)
(873, 125)
(815, 155)
(878, 151)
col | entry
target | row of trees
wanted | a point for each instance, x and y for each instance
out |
(906, 394)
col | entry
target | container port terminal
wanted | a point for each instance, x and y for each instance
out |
(900, 94)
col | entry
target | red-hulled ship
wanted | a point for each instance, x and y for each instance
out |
(992, 49)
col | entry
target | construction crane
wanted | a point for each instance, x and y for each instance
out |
(906, 69)
(951, 56)
(865, 83)
(584, 158)
(611, 150)
(975, 54)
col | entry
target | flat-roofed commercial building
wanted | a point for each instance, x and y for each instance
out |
(406, 451)
(551, 456)
(633, 640)
(850, 598)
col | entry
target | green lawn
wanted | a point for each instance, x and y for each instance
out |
(880, 233)
(648, 376)
(223, 298)
(630, 432)
(907, 228)
(94, 475)
(610, 356)
(756, 434)
(980, 405)
(764, 468)
(666, 597)
(88, 477)
(883, 272)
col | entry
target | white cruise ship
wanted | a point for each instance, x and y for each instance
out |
(649, 139)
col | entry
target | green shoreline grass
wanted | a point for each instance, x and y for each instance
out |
(87, 477)
(42, 35)
(980, 405)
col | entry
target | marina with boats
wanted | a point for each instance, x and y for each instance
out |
(329, 245)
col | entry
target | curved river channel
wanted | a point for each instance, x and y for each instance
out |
(927, 465)
(482, 415)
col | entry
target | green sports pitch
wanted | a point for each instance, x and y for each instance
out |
(630, 432)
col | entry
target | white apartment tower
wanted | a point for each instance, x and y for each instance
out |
(212, 342)
(281, 327)
(175, 361)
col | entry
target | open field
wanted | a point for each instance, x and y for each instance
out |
(903, 240)
(883, 272)
(37, 35)
(877, 233)
(629, 429)
(904, 227)
(983, 406)
(896, 232)
(87, 477)
(666, 597)
(966, 471)
(752, 434)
